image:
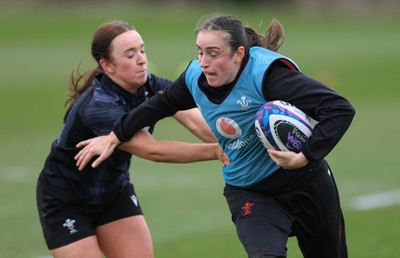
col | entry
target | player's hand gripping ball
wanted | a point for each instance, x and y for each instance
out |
(282, 126)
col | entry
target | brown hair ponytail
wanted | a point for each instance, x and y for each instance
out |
(274, 36)
(272, 40)
(78, 83)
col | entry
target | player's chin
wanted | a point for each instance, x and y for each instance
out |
(213, 81)
(141, 78)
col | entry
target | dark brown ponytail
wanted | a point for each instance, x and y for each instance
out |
(78, 83)
(274, 36)
(272, 40)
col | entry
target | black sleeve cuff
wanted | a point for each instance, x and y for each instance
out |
(117, 129)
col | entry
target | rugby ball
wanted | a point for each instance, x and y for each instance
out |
(282, 126)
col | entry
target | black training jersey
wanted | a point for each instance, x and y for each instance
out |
(92, 115)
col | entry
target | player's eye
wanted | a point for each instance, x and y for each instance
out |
(213, 55)
(130, 54)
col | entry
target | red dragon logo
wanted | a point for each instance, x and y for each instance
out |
(247, 208)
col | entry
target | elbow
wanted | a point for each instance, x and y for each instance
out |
(346, 111)
(351, 112)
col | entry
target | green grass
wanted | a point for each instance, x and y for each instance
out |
(183, 204)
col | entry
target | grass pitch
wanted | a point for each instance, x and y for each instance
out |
(183, 204)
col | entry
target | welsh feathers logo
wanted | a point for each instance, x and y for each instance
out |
(228, 128)
(244, 102)
(70, 224)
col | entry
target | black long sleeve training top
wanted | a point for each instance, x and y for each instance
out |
(332, 111)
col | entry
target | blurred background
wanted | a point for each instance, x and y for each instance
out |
(352, 46)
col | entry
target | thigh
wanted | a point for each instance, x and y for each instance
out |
(86, 247)
(319, 226)
(127, 237)
(123, 205)
(122, 230)
(62, 222)
(263, 225)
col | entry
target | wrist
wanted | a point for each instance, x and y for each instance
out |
(302, 159)
(114, 139)
(216, 151)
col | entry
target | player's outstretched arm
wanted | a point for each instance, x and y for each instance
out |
(143, 145)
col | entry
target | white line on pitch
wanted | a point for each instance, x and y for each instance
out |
(375, 201)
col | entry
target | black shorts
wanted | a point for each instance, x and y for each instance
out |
(64, 223)
(312, 214)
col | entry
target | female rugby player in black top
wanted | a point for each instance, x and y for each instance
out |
(271, 194)
(95, 211)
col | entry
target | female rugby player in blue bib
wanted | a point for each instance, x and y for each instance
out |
(93, 212)
(272, 195)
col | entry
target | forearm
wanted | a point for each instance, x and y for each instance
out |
(143, 145)
(205, 134)
(176, 152)
(174, 99)
(333, 113)
(327, 133)
(195, 123)
(148, 113)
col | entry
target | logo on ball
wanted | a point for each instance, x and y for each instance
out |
(282, 126)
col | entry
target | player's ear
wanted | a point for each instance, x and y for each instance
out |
(106, 66)
(239, 55)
